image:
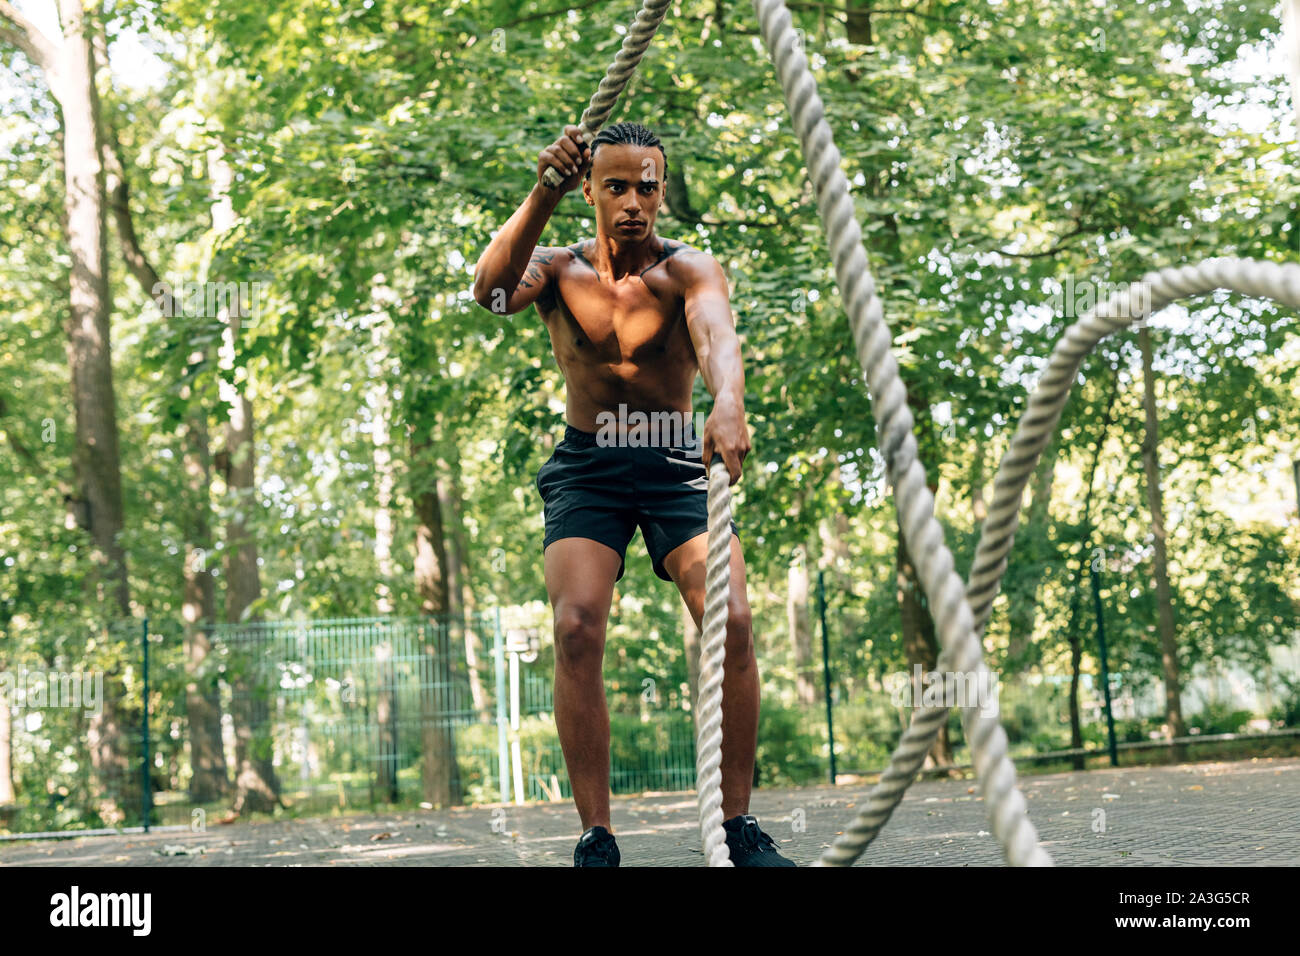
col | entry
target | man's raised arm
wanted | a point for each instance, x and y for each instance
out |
(513, 271)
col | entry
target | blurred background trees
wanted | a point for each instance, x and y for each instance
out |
(352, 435)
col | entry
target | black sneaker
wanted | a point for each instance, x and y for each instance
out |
(749, 845)
(596, 848)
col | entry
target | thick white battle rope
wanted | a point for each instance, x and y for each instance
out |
(935, 568)
(708, 759)
(1271, 280)
(713, 648)
(1153, 292)
(638, 38)
(959, 611)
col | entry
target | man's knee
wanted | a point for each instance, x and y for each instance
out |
(579, 635)
(740, 632)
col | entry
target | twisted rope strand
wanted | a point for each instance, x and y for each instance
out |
(935, 567)
(1280, 282)
(617, 76)
(960, 611)
(708, 747)
(1156, 290)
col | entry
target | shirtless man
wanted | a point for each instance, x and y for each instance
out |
(632, 318)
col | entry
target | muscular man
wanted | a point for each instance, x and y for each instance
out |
(632, 318)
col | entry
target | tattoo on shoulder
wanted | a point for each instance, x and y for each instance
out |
(533, 275)
(672, 248)
(580, 253)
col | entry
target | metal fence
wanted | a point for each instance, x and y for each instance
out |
(343, 707)
(152, 723)
(314, 716)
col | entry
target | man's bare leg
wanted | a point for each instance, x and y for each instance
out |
(580, 577)
(740, 691)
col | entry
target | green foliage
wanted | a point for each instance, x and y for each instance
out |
(1096, 737)
(789, 747)
(1217, 717)
(865, 735)
(1287, 710)
(994, 153)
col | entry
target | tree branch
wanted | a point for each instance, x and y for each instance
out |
(27, 37)
(551, 14)
(838, 13)
(19, 448)
(1057, 247)
(33, 460)
(118, 190)
(119, 200)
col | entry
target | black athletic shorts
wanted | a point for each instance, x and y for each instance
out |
(605, 493)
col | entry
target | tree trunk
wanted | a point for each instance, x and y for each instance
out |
(858, 23)
(1076, 719)
(978, 503)
(919, 642)
(460, 593)
(381, 416)
(834, 560)
(89, 343)
(1022, 614)
(257, 789)
(797, 617)
(1295, 474)
(386, 724)
(1073, 639)
(1164, 595)
(69, 69)
(473, 641)
(386, 702)
(209, 779)
(447, 458)
(833, 534)
(440, 775)
(6, 748)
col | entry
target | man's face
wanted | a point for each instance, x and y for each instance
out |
(627, 188)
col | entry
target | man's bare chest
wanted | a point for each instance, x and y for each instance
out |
(633, 319)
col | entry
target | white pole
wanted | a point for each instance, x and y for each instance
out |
(515, 758)
(499, 666)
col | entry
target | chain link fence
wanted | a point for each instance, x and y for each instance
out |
(150, 723)
(310, 717)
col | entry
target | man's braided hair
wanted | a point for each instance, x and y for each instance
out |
(626, 134)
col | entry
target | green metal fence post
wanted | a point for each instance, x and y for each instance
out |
(304, 771)
(1105, 665)
(826, 667)
(503, 759)
(144, 728)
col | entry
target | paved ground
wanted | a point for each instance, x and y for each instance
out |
(1235, 814)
